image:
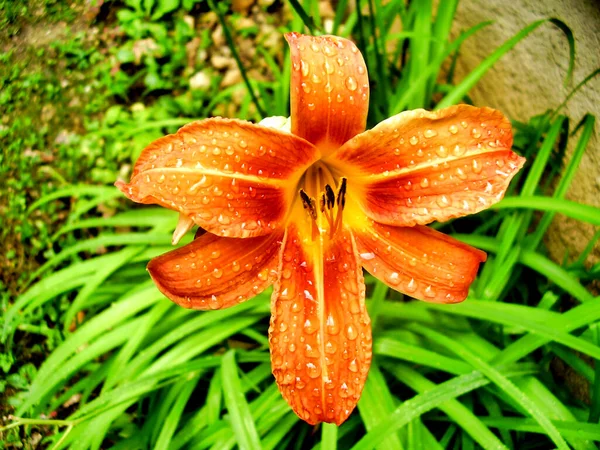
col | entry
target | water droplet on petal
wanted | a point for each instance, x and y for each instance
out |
(351, 83)
(313, 371)
(443, 201)
(429, 292)
(392, 278)
(430, 133)
(411, 286)
(442, 152)
(453, 129)
(353, 366)
(305, 68)
(414, 140)
(351, 332)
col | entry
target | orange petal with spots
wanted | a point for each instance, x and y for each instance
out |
(320, 333)
(422, 166)
(419, 261)
(329, 90)
(213, 272)
(232, 178)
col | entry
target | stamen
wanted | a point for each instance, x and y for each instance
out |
(341, 202)
(330, 196)
(328, 201)
(310, 205)
(341, 195)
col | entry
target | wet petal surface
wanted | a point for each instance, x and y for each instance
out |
(422, 166)
(419, 261)
(329, 90)
(231, 177)
(320, 334)
(213, 272)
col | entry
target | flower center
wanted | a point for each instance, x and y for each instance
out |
(323, 198)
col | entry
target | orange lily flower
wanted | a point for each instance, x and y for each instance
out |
(305, 210)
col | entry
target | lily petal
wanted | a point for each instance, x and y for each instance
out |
(419, 261)
(213, 272)
(320, 333)
(232, 178)
(329, 90)
(422, 166)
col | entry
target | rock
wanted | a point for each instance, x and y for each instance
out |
(221, 62)
(529, 80)
(232, 76)
(199, 81)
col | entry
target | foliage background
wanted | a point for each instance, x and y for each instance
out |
(94, 356)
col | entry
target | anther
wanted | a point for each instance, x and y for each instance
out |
(341, 195)
(330, 196)
(309, 204)
(341, 202)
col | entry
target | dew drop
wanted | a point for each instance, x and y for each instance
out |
(309, 327)
(430, 133)
(313, 371)
(424, 183)
(330, 347)
(458, 150)
(429, 292)
(475, 133)
(442, 152)
(476, 166)
(214, 302)
(367, 256)
(304, 68)
(453, 129)
(443, 201)
(392, 278)
(353, 366)
(411, 286)
(414, 140)
(351, 83)
(351, 332)
(333, 326)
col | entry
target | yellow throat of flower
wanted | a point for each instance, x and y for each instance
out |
(323, 198)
